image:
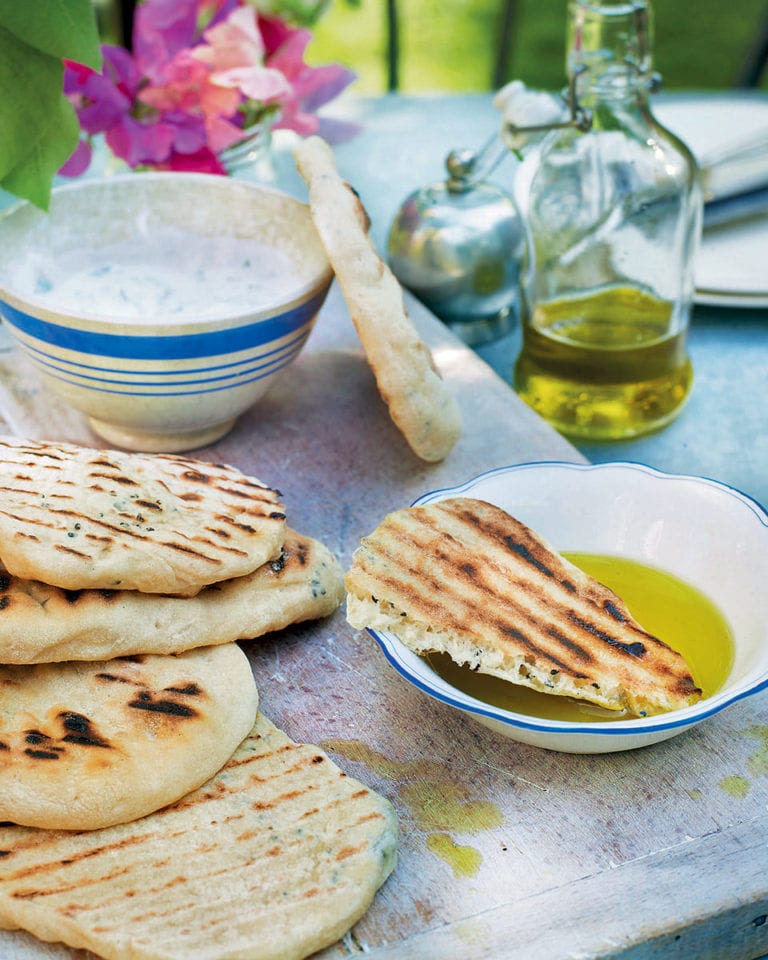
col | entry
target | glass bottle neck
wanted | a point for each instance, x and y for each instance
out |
(610, 48)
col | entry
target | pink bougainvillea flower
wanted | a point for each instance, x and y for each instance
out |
(185, 85)
(189, 133)
(311, 87)
(255, 83)
(187, 88)
(235, 51)
(140, 143)
(222, 133)
(121, 68)
(163, 28)
(200, 72)
(103, 102)
(202, 161)
(274, 32)
(101, 99)
(234, 42)
(79, 161)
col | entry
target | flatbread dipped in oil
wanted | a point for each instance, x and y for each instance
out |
(465, 578)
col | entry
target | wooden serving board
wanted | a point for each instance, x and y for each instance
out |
(507, 851)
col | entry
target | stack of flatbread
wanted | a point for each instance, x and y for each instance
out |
(149, 808)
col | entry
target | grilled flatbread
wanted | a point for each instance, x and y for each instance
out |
(105, 519)
(463, 577)
(90, 745)
(274, 858)
(419, 402)
(43, 624)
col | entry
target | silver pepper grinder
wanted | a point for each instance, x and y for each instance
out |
(457, 246)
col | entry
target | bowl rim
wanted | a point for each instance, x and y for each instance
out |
(104, 324)
(409, 665)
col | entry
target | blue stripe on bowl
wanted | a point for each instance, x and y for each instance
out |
(234, 379)
(619, 728)
(130, 388)
(71, 373)
(74, 367)
(170, 347)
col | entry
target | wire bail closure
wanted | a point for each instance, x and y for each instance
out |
(579, 117)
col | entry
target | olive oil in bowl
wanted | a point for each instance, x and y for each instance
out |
(604, 366)
(666, 606)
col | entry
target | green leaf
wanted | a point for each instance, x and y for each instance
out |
(31, 82)
(38, 126)
(50, 148)
(60, 28)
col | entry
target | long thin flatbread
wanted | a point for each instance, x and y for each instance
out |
(420, 403)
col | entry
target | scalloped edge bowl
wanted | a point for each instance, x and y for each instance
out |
(702, 531)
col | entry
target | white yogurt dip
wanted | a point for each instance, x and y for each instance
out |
(169, 276)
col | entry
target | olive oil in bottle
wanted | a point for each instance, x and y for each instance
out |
(604, 365)
(613, 220)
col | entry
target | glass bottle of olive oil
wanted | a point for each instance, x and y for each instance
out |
(613, 221)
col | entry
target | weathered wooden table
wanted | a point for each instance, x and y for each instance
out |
(507, 851)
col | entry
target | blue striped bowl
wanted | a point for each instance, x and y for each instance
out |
(167, 384)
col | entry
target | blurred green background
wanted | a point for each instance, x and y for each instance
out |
(453, 44)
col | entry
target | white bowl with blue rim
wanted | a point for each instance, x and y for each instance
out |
(161, 305)
(702, 532)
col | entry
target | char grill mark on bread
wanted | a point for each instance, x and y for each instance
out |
(76, 518)
(93, 744)
(276, 856)
(462, 576)
(40, 623)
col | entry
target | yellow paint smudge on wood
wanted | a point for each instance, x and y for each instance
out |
(735, 786)
(400, 770)
(474, 931)
(465, 861)
(362, 753)
(447, 806)
(758, 762)
(426, 786)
